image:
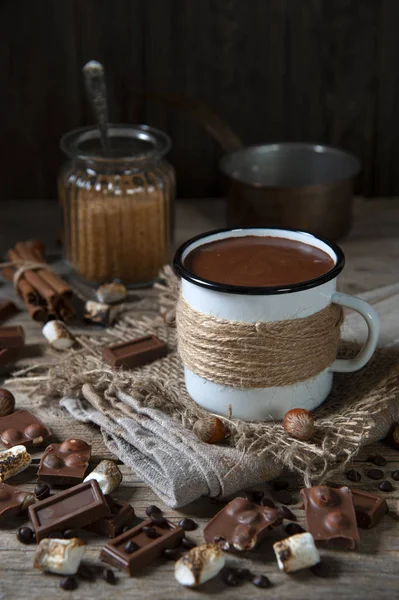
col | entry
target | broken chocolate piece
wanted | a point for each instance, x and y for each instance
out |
(23, 427)
(369, 508)
(13, 501)
(122, 514)
(76, 507)
(7, 309)
(330, 515)
(66, 463)
(146, 549)
(240, 525)
(135, 353)
(12, 337)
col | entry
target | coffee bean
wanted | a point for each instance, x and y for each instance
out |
(243, 573)
(109, 576)
(151, 532)
(42, 491)
(267, 502)
(58, 535)
(188, 544)
(379, 460)
(171, 553)
(188, 524)
(284, 497)
(257, 495)
(153, 510)
(395, 475)
(286, 513)
(353, 475)
(25, 535)
(320, 569)
(86, 573)
(293, 528)
(375, 474)
(261, 581)
(385, 486)
(158, 520)
(71, 533)
(280, 485)
(68, 583)
(131, 547)
(230, 578)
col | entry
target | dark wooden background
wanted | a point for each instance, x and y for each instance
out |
(314, 70)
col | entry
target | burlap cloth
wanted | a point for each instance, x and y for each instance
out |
(146, 416)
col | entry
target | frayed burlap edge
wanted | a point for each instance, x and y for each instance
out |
(358, 408)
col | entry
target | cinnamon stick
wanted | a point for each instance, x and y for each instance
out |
(45, 291)
(33, 251)
(36, 311)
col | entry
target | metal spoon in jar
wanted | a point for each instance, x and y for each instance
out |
(94, 78)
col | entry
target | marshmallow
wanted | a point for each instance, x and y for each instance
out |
(107, 474)
(296, 552)
(110, 293)
(199, 565)
(59, 556)
(100, 314)
(57, 334)
(13, 461)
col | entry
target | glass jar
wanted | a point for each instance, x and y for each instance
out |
(118, 209)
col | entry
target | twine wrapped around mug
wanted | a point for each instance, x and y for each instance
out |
(257, 355)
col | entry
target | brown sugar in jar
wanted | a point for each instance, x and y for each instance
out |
(118, 210)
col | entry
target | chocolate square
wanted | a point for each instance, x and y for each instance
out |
(23, 427)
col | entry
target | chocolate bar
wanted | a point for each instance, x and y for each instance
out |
(8, 355)
(369, 508)
(74, 508)
(330, 515)
(13, 501)
(240, 525)
(122, 514)
(135, 353)
(138, 547)
(7, 309)
(12, 337)
(22, 427)
(66, 463)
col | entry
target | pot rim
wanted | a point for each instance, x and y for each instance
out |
(180, 269)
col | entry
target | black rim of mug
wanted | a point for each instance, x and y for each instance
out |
(226, 288)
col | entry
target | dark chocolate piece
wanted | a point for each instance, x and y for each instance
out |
(41, 491)
(25, 535)
(135, 353)
(114, 553)
(12, 337)
(385, 486)
(13, 501)
(240, 525)
(76, 507)
(7, 309)
(66, 463)
(353, 475)
(188, 524)
(375, 474)
(369, 508)
(330, 515)
(23, 427)
(122, 514)
(152, 510)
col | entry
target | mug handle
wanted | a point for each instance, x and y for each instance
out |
(373, 325)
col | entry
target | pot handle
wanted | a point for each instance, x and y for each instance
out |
(373, 324)
(213, 123)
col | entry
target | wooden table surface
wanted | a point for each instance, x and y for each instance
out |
(372, 252)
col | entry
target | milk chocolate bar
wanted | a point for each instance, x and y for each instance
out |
(240, 525)
(66, 463)
(22, 427)
(74, 508)
(135, 353)
(369, 508)
(7, 309)
(13, 501)
(122, 514)
(12, 337)
(330, 515)
(138, 547)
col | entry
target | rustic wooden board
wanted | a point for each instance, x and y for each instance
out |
(370, 573)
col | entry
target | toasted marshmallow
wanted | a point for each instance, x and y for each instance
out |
(58, 335)
(107, 474)
(296, 552)
(13, 461)
(59, 556)
(199, 565)
(110, 293)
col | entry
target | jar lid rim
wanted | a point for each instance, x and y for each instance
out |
(158, 143)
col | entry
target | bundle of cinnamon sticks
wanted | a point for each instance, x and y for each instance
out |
(45, 294)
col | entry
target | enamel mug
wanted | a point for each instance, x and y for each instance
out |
(267, 304)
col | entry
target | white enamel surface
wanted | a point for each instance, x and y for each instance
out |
(265, 404)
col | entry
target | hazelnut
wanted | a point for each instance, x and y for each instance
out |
(7, 402)
(210, 430)
(299, 423)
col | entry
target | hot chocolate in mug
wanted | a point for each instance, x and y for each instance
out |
(266, 276)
